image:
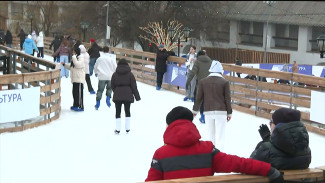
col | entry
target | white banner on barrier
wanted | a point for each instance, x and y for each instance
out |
(19, 104)
(317, 106)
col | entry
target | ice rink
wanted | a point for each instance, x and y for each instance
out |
(81, 147)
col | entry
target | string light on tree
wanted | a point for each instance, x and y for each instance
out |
(157, 34)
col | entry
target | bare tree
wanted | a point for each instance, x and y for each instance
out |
(125, 18)
(157, 34)
(45, 15)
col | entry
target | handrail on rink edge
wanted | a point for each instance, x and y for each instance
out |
(25, 71)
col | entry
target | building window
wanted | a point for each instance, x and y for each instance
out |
(251, 33)
(286, 37)
(4, 8)
(316, 32)
(222, 32)
(17, 11)
(258, 28)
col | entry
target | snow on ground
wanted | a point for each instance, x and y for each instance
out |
(81, 147)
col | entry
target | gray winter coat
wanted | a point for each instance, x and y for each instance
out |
(200, 69)
(288, 147)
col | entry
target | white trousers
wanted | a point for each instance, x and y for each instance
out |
(216, 129)
(119, 123)
(127, 123)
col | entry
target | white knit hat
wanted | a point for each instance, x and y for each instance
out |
(216, 67)
(29, 36)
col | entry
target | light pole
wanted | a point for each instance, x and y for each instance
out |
(106, 36)
(186, 32)
(321, 45)
(84, 27)
(267, 26)
(31, 22)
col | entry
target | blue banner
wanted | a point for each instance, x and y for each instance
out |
(302, 69)
(175, 75)
(323, 73)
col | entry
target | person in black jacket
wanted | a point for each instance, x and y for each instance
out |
(77, 44)
(125, 89)
(56, 44)
(22, 35)
(8, 39)
(94, 55)
(239, 63)
(161, 64)
(287, 145)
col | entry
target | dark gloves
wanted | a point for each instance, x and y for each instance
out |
(275, 176)
(264, 132)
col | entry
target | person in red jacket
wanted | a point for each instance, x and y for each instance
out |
(184, 155)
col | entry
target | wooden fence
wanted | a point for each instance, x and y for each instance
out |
(228, 55)
(249, 96)
(47, 42)
(289, 176)
(36, 72)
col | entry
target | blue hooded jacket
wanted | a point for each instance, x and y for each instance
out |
(29, 45)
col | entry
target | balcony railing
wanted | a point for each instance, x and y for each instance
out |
(251, 39)
(286, 43)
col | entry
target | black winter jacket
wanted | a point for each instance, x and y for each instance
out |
(8, 38)
(161, 65)
(22, 35)
(55, 43)
(288, 147)
(94, 51)
(124, 85)
(200, 69)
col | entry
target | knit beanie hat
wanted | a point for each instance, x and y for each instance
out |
(122, 62)
(285, 115)
(92, 40)
(29, 36)
(216, 67)
(179, 113)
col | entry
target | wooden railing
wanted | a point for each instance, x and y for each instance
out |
(142, 65)
(47, 42)
(35, 72)
(228, 55)
(249, 96)
(261, 98)
(306, 175)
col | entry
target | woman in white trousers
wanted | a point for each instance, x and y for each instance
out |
(214, 90)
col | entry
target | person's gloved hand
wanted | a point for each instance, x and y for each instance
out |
(264, 132)
(275, 176)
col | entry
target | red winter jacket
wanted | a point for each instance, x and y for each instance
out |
(184, 156)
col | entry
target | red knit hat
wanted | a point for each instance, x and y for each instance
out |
(92, 40)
